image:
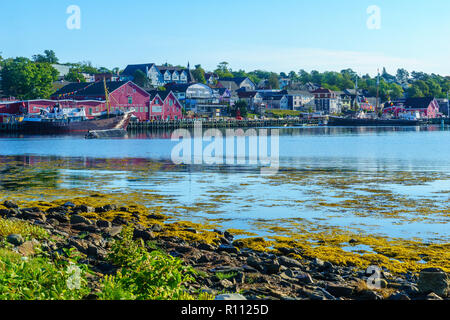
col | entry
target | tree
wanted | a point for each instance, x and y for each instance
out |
(242, 106)
(273, 81)
(25, 79)
(223, 70)
(199, 74)
(140, 78)
(75, 75)
(304, 76)
(49, 57)
(402, 76)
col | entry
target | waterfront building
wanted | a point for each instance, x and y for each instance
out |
(418, 107)
(300, 100)
(327, 101)
(160, 75)
(253, 99)
(164, 105)
(199, 98)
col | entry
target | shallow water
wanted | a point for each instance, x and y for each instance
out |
(351, 178)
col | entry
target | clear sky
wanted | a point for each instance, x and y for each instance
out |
(275, 35)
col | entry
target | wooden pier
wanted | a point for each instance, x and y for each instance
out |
(179, 124)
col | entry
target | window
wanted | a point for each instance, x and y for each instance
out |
(170, 102)
(130, 100)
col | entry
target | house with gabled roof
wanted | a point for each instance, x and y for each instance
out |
(164, 105)
(234, 84)
(160, 75)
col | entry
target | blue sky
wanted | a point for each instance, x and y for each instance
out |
(280, 35)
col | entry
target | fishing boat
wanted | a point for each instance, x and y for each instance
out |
(57, 120)
(73, 121)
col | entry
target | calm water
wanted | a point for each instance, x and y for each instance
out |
(314, 164)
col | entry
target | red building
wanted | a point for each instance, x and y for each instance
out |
(123, 96)
(164, 105)
(426, 107)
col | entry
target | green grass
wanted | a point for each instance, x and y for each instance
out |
(145, 275)
(38, 278)
(228, 275)
(25, 229)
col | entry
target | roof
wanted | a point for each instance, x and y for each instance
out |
(177, 87)
(132, 68)
(161, 93)
(322, 90)
(89, 89)
(247, 94)
(418, 103)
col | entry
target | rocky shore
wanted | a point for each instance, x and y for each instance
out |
(226, 270)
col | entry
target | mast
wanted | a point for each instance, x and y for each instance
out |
(378, 89)
(106, 95)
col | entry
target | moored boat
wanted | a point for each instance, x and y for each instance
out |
(365, 122)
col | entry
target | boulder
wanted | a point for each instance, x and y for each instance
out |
(77, 219)
(434, 280)
(10, 205)
(15, 239)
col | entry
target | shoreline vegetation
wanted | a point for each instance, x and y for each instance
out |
(100, 247)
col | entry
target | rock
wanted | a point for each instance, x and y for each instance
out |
(226, 283)
(10, 205)
(254, 262)
(33, 216)
(119, 221)
(205, 246)
(156, 217)
(228, 236)
(92, 251)
(60, 217)
(230, 297)
(340, 290)
(103, 224)
(69, 205)
(113, 231)
(434, 280)
(156, 228)
(83, 209)
(191, 230)
(271, 267)
(109, 207)
(227, 248)
(399, 297)
(302, 277)
(433, 296)
(84, 227)
(4, 212)
(289, 262)
(15, 239)
(143, 234)
(76, 219)
(61, 209)
(27, 248)
(369, 295)
(78, 244)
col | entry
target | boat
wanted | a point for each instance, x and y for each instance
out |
(73, 121)
(368, 122)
